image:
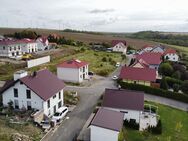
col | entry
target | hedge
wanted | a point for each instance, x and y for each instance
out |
(155, 91)
(171, 81)
(131, 124)
(156, 130)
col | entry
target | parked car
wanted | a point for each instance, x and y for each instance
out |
(117, 64)
(27, 57)
(60, 114)
(90, 73)
(114, 77)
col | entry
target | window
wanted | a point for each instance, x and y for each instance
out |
(54, 109)
(29, 105)
(16, 104)
(15, 92)
(4, 48)
(10, 48)
(14, 48)
(28, 92)
(54, 96)
(80, 76)
(21, 83)
(59, 95)
(125, 112)
(48, 103)
(59, 104)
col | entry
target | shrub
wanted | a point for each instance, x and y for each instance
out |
(165, 69)
(184, 87)
(176, 87)
(103, 72)
(163, 84)
(131, 124)
(171, 81)
(156, 130)
(176, 75)
(104, 59)
(155, 91)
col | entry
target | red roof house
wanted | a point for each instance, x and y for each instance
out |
(115, 42)
(142, 76)
(75, 63)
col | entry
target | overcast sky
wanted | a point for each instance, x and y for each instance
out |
(96, 15)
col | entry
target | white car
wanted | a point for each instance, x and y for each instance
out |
(114, 77)
(117, 64)
(60, 114)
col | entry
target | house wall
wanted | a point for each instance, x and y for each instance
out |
(42, 46)
(120, 47)
(138, 65)
(154, 66)
(29, 48)
(12, 51)
(36, 101)
(8, 95)
(172, 57)
(75, 75)
(53, 102)
(102, 134)
(128, 114)
(146, 83)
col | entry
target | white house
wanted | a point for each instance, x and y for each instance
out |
(131, 103)
(42, 43)
(146, 48)
(73, 71)
(29, 46)
(171, 55)
(10, 48)
(158, 49)
(119, 46)
(41, 91)
(106, 125)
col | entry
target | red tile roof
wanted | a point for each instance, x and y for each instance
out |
(170, 51)
(144, 74)
(150, 58)
(141, 62)
(124, 99)
(15, 41)
(43, 39)
(45, 84)
(73, 64)
(115, 42)
(108, 119)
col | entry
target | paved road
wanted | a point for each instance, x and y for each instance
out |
(88, 99)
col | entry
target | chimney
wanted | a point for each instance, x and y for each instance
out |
(20, 74)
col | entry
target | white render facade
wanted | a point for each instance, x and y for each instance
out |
(29, 48)
(25, 98)
(120, 47)
(128, 114)
(103, 134)
(75, 75)
(172, 57)
(42, 46)
(11, 51)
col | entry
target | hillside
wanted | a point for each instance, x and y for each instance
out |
(84, 37)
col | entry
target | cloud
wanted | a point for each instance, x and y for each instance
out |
(98, 11)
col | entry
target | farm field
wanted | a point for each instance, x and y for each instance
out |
(174, 126)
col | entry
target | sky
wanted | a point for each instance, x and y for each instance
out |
(96, 15)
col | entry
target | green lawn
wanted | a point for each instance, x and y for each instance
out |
(174, 124)
(92, 57)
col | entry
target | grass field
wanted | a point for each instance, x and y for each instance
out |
(29, 130)
(92, 57)
(174, 125)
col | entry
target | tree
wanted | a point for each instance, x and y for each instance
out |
(163, 84)
(165, 69)
(184, 87)
(176, 75)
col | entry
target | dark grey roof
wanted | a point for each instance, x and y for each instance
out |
(124, 99)
(45, 84)
(108, 119)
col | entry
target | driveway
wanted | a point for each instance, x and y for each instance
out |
(88, 99)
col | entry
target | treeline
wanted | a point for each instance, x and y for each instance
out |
(23, 34)
(180, 40)
(81, 31)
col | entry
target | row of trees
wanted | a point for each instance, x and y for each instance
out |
(174, 39)
(174, 76)
(23, 34)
